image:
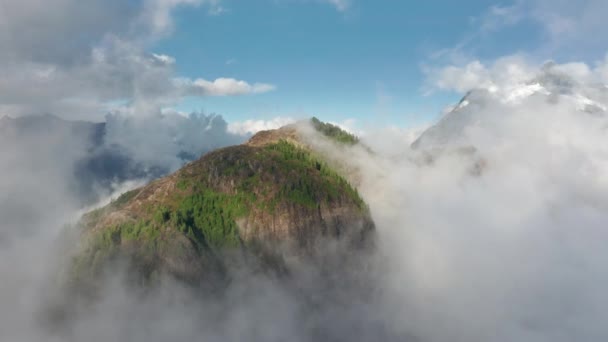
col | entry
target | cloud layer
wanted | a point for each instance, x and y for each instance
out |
(253, 126)
(79, 61)
(496, 236)
(494, 231)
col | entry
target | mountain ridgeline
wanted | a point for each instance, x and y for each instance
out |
(273, 200)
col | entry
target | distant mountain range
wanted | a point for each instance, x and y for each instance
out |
(93, 163)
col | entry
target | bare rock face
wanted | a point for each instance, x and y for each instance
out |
(271, 199)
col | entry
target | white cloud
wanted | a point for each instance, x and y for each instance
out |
(567, 21)
(164, 59)
(511, 81)
(508, 230)
(249, 127)
(555, 29)
(222, 87)
(461, 79)
(385, 138)
(157, 14)
(75, 60)
(498, 17)
(158, 140)
(566, 24)
(504, 73)
(511, 78)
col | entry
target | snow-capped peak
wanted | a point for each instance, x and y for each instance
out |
(480, 105)
(521, 92)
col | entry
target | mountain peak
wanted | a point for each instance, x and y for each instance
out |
(272, 197)
(296, 132)
(478, 106)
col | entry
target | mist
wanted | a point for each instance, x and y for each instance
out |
(53, 171)
(490, 224)
(493, 226)
(491, 231)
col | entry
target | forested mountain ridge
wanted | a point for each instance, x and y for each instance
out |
(272, 197)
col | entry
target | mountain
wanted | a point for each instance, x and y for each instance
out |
(90, 163)
(274, 199)
(41, 156)
(480, 108)
(94, 157)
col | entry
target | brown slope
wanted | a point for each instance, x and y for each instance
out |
(271, 197)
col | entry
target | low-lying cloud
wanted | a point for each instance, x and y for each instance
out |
(490, 230)
(492, 226)
(248, 127)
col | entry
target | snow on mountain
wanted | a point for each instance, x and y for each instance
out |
(481, 107)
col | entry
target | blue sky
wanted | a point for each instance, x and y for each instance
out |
(364, 62)
(383, 62)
